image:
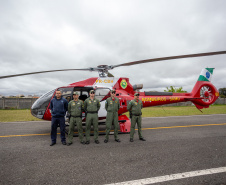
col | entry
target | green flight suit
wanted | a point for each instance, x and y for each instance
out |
(112, 108)
(92, 107)
(135, 108)
(75, 109)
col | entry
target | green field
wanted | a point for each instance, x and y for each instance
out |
(16, 115)
(181, 111)
(25, 115)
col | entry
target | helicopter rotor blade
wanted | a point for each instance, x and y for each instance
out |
(104, 68)
(23, 74)
(169, 58)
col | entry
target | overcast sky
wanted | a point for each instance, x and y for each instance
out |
(43, 35)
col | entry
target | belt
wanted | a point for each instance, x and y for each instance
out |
(137, 114)
(76, 116)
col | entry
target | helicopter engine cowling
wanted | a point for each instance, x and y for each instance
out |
(137, 86)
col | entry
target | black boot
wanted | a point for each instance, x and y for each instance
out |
(97, 142)
(142, 139)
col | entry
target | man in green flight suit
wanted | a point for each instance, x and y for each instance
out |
(135, 107)
(75, 108)
(92, 106)
(112, 106)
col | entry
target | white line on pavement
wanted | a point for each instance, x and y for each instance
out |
(173, 177)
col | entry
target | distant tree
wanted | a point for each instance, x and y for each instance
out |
(222, 92)
(175, 90)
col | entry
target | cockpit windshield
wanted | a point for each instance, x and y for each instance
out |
(39, 107)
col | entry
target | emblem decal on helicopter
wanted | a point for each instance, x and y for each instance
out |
(207, 74)
(123, 84)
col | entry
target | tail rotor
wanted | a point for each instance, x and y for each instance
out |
(207, 93)
(204, 92)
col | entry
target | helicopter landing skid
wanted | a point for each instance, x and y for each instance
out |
(124, 125)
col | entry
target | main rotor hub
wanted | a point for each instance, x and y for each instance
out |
(103, 70)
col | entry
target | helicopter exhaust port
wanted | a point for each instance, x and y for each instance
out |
(137, 86)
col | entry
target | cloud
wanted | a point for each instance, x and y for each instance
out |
(49, 35)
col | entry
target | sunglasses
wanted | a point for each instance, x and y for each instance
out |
(92, 93)
(138, 95)
(112, 92)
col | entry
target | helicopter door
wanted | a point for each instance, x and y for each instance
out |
(83, 92)
(83, 95)
(102, 93)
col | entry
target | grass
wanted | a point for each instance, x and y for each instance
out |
(181, 111)
(25, 115)
(17, 115)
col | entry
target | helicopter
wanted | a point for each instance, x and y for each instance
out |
(204, 93)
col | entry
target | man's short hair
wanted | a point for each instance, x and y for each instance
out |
(59, 90)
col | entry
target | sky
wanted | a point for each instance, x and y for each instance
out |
(42, 35)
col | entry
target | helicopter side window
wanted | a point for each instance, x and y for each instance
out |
(66, 93)
(84, 95)
(102, 93)
(68, 98)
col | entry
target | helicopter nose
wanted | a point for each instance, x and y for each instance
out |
(40, 105)
(36, 111)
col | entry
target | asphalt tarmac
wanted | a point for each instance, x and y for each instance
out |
(173, 145)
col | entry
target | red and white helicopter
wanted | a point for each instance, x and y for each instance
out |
(202, 96)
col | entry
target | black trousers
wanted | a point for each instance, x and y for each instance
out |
(55, 122)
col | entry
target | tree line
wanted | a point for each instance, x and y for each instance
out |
(222, 91)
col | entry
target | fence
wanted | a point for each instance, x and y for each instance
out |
(26, 103)
(16, 103)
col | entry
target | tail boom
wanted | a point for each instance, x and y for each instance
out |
(203, 94)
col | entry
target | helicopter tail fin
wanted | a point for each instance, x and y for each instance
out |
(204, 92)
(206, 75)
